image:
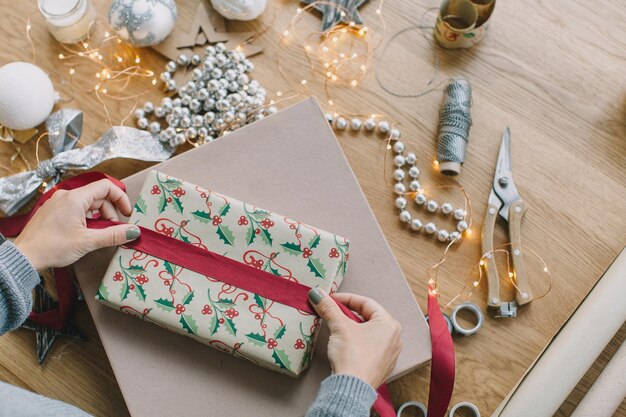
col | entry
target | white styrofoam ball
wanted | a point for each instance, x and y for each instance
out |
(143, 22)
(239, 9)
(26, 95)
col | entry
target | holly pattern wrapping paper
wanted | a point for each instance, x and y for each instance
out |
(220, 315)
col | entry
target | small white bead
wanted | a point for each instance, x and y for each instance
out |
(341, 123)
(395, 133)
(399, 160)
(411, 158)
(430, 228)
(446, 208)
(383, 127)
(329, 117)
(459, 214)
(398, 147)
(142, 123)
(399, 188)
(414, 171)
(442, 235)
(139, 113)
(405, 216)
(369, 124)
(355, 124)
(416, 224)
(399, 174)
(414, 185)
(454, 236)
(432, 206)
(400, 202)
(154, 128)
(420, 199)
(462, 226)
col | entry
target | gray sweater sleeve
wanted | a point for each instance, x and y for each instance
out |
(343, 396)
(339, 395)
(17, 280)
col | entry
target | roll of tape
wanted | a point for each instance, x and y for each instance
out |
(474, 309)
(410, 404)
(446, 318)
(466, 405)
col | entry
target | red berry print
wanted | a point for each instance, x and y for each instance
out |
(271, 344)
(169, 199)
(334, 253)
(306, 252)
(207, 309)
(166, 282)
(131, 286)
(180, 308)
(155, 190)
(299, 344)
(118, 276)
(267, 223)
(221, 320)
(257, 317)
(231, 313)
(179, 192)
(202, 195)
(243, 221)
(257, 231)
(141, 279)
(217, 220)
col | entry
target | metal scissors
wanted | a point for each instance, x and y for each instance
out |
(505, 202)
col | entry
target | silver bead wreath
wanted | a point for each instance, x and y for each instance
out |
(219, 98)
(406, 169)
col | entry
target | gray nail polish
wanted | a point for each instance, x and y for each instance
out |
(132, 233)
(315, 295)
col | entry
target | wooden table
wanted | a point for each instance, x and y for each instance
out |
(552, 71)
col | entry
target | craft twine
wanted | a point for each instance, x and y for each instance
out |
(454, 123)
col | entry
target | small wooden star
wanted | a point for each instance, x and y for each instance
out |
(46, 336)
(339, 11)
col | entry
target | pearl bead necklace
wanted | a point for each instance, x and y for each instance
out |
(406, 170)
(221, 97)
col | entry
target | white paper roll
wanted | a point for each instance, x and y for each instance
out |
(571, 353)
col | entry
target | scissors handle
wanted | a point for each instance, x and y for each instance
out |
(516, 212)
(489, 264)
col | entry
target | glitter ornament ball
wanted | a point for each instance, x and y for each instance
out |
(26, 95)
(239, 9)
(143, 22)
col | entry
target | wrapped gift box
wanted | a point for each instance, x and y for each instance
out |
(215, 313)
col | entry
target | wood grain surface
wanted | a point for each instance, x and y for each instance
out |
(553, 71)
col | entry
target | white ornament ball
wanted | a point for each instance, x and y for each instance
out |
(143, 22)
(416, 224)
(430, 228)
(26, 95)
(405, 216)
(239, 9)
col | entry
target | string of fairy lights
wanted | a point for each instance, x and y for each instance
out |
(339, 57)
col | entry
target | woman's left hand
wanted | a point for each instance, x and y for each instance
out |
(57, 235)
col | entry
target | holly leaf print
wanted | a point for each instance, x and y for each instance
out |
(164, 304)
(314, 242)
(124, 291)
(214, 325)
(226, 301)
(184, 238)
(266, 236)
(178, 206)
(226, 235)
(203, 216)
(168, 267)
(187, 299)
(136, 269)
(162, 204)
(342, 268)
(292, 248)
(139, 292)
(224, 210)
(103, 293)
(250, 236)
(257, 339)
(260, 301)
(189, 323)
(280, 332)
(275, 271)
(140, 205)
(229, 324)
(316, 267)
(281, 359)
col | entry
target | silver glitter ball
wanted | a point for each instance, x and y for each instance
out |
(202, 94)
(222, 105)
(197, 121)
(185, 122)
(220, 47)
(142, 123)
(195, 59)
(171, 66)
(416, 224)
(182, 60)
(148, 107)
(216, 73)
(139, 113)
(197, 74)
(369, 124)
(170, 85)
(191, 133)
(154, 128)
(165, 76)
(159, 111)
(210, 50)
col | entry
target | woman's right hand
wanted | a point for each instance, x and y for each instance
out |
(368, 350)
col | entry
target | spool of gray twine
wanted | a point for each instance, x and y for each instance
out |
(454, 124)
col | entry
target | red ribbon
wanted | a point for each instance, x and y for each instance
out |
(442, 365)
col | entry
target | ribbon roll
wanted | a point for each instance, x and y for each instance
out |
(412, 404)
(466, 405)
(117, 142)
(447, 319)
(477, 313)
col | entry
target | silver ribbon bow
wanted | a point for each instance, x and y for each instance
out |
(65, 128)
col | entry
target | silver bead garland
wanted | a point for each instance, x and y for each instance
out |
(220, 98)
(405, 169)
